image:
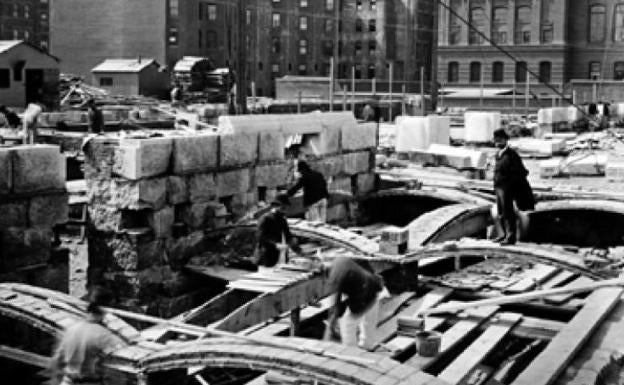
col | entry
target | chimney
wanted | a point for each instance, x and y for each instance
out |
(139, 59)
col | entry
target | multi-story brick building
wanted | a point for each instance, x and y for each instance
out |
(282, 37)
(25, 20)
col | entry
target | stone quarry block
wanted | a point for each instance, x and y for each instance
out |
(145, 193)
(233, 182)
(14, 214)
(47, 211)
(6, 166)
(202, 187)
(550, 168)
(586, 164)
(365, 183)
(131, 255)
(341, 184)
(37, 168)
(615, 171)
(177, 190)
(545, 147)
(22, 247)
(193, 154)
(100, 191)
(161, 221)
(238, 149)
(271, 176)
(242, 203)
(105, 218)
(329, 166)
(204, 215)
(358, 136)
(457, 157)
(324, 143)
(142, 158)
(356, 162)
(271, 146)
(100, 157)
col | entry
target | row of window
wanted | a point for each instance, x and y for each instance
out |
(498, 72)
(327, 47)
(5, 75)
(329, 4)
(595, 70)
(13, 10)
(597, 26)
(344, 71)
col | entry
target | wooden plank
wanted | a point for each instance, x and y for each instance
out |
(218, 307)
(478, 350)
(217, 272)
(548, 365)
(24, 357)
(560, 278)
(562, 298)
(280, 326)
(532, 278)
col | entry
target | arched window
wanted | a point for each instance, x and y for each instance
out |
(475, 72)
(498, 72)
(521, 72)
(499, 25)
(618, 70)
(597, 23)
(453, 72)
(455, 26)
(618, 32)
(477, 20)
(545, 69)
(523, 25)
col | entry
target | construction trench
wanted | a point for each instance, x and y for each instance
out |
(166, 221)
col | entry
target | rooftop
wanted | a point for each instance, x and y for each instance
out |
(124, 65)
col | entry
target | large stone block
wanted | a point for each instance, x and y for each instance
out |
(143, 158)
(14, 214)
(272, 176)
(202, 188)
(38, 168)
(197, 153)
(204, 215)
(177, 190)
(233, 182)
(358, 136)
(238, 149)
(23, 247)
(615, 171)
(100, 191)
(135, 195)
(329, 166)
(161, 221)
(357, 162)
(128, 254)
(105, 218)
(365, 183)
(46, 211)
(457, 157)
(6, 165)
(271, 146)
(341, 184)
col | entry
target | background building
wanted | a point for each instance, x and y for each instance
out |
(26, 20)
(139, 76)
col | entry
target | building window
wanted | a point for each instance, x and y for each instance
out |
(455, 24)
(545, 69)
(248, 17)
(521, 72)
(106, 82)
(372, 47)
(358, 25)
(277, 20)
(199, 38)
(26, 35)
(371, 71)
(329, 5)
(26, 12)
(173, 8)
(619, 23)
(373, 5)
(173, 36)
(303, 23)
(372, 25)
(594, 70)
(260, 66)
(303, 4)
(523, 25)
(475, 72)
(5, 78)
(303, 47)
(453, 72)
(275, 68)
(44, 17)
(618, 70)
(499, 25)
(547, 33)
(328, 47)
(478, 20)
(498, 72)
(44, 45)
(15, 10)
(276, 45)
(597, 23)
(303, 69)
(358, 5)
(212, 12)
(329, 25)
(358, 48)
(15, 34)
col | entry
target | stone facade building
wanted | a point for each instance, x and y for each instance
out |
(26, 20)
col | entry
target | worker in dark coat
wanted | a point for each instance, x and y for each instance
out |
(96, 118)
(510, 185)
(274, 236)
(315, 192)
(362, 290)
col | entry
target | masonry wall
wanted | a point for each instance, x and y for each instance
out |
(33, 200)
(153, 201)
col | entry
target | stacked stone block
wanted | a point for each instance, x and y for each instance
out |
(153, 201)
(33, 200)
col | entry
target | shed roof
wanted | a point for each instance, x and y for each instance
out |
(7, 45)
(124, 65)
(187, 63)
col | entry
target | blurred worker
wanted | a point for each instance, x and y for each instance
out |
(274, 237)
(9, 118)
(31, 114)
(510, 185)
(96, 118)
(368, 113)
(78, 358)
(363, 290)
(315, 192)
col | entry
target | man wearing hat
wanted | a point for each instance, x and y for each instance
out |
(274, 236)
(510, 185)
(315, 192)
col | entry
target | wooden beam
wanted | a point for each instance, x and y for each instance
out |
(218, 307)
(532, 278)
(24, 357)
(548, 365)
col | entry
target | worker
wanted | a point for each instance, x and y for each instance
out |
(10, 118)
(30, 117)
(78, 357)
(368, 113)
(96, 118)
(363, 289)
(315, 192)
(274, 236)
(176, 94)
(511, 186)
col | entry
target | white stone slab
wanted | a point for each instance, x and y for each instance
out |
(479, 127)
(458, 157)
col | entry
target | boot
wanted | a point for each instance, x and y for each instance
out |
(510, 230)
(500, 228)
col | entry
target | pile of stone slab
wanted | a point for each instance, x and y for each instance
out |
(556, 119)
(479, 126)
(153, 201)
(535, 147)
(33, 201)
(577, 164)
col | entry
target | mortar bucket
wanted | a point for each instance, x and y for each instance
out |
(428, 343)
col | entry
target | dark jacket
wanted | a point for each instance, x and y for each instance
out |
(314, 187)
(271, 227)
(359, 284)
(511, 176)
(96, 121)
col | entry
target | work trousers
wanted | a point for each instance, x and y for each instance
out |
(506, 212)
(317, 212)
(365, 323)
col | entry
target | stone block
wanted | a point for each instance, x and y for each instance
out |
(17, 253)
(358, 136)
(341, 184)
(105, 218)
(458, 157)
(193, 154)
(365, 183)
(142, 158)
(100, 191)
(129, 254)
(243, 203)
(271, 176)
(271, 146)
(550, 168)
(324, 143)
(329, 166)
(356, 163)
(135, 195)
(337, 213)
(38, 168)
(615, 171)
(204, 215)
(14, 214)
(238, 149)
(233, 182)
(99, 161)
(48, 210)
(177, 190)
(202, 188)
(586, 165)
(161, 221)
(6, 165)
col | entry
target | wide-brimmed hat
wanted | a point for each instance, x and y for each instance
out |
(501, 134)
